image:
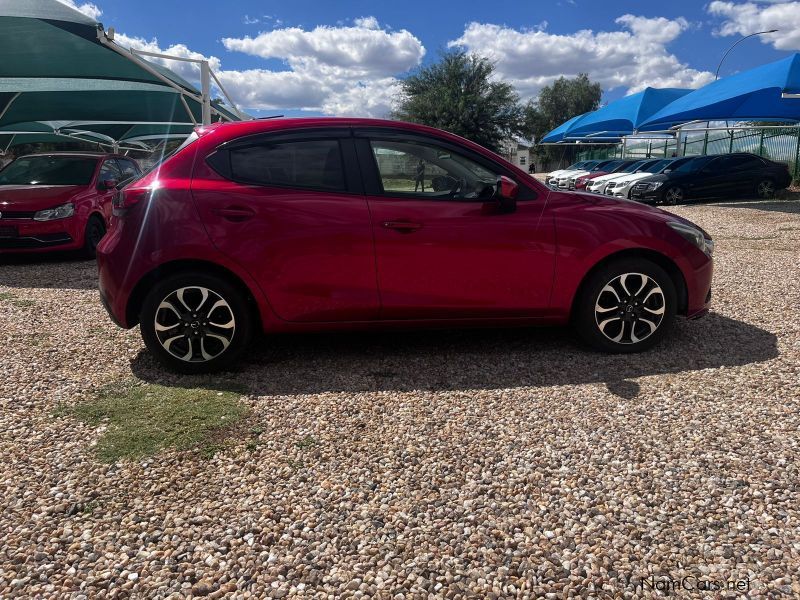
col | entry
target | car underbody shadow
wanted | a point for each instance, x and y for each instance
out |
(42, 271)
(470, 359)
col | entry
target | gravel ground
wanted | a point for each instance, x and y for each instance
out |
(481, 464)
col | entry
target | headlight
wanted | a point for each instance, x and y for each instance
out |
(694, 235)
(656, 184)
(59, 212)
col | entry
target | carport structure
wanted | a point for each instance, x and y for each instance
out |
(62, 76)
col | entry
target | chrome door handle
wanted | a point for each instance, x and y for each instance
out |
(234, 213)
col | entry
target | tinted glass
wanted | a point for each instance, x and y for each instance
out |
(129, 168)
(633, 167)
(615, 165)
(110, 171)
(694, 165)
(427, 170)
(745, 163)
(49, 170)
(655, 167)
(313, 164)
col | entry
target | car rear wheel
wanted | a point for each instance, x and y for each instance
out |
(625, 306)
(765, 189)
(95, 230)
(196, 323)
(673, 195)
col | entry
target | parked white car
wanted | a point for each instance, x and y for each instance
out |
(598, 184)
(621, 187)
(552, 178)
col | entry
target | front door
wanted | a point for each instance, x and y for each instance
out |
(443, 250)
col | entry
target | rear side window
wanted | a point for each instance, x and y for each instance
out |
(315, 164)
(745, 163)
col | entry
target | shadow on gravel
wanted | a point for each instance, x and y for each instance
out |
(64, 270)
(470, 359)
(786, 206)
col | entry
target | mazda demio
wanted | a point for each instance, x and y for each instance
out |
(299, 225)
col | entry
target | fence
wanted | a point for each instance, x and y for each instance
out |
(781, 144)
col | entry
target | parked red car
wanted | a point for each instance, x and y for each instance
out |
(314, 224)
(59, 201)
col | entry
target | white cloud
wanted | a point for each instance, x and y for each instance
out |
(348, 70)
(749, 17)
(344, 70)
(633, 57)
(360, 50)
(188, 71)
(89, 9)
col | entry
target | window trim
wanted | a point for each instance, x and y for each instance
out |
(371, 173)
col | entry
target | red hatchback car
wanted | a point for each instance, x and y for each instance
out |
(313, 224)
(59, 201)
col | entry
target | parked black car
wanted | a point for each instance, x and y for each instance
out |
(720, 176)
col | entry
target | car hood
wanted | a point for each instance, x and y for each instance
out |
(607, 177)
(634, 177)
(36, 197)
(631, 207)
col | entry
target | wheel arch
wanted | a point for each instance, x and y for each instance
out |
(663, 261)
(174, 267)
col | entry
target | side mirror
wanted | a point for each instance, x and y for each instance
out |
(107, 184)
(506, 194)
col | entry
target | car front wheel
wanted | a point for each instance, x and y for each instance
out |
(625, 306)
(196, 323)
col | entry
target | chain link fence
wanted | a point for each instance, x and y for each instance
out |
(781, 144)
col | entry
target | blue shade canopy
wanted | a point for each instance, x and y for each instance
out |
(624, 116)
(559, 132)
(751, 95)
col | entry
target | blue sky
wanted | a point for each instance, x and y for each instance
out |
(347, 57)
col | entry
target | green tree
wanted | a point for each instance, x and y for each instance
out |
(559, 102)
(458, 94)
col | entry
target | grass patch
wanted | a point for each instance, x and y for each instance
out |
(143, 419)
(18, 302)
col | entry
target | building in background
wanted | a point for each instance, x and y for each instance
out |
(518, 152)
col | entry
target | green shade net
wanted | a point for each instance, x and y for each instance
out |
(54, 68)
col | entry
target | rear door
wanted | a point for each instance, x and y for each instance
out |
(441, 250)
(290, 209)
(713, 180)
(745, 171)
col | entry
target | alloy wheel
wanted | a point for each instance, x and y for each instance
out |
(765, 189)
(630, 308)
(673, 195)
(194, 324)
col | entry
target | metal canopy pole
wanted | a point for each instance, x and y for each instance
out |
(205, 86)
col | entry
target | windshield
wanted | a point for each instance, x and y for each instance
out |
(49, 170)
(694, 164)
(631, 168)
(657, 166)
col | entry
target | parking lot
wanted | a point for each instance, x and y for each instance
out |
(501, 463)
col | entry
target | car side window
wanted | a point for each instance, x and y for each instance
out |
(110, 171)
(129, 168)
(314, 164)
(745, 163)
(423, 170)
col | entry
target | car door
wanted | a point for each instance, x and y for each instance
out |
(713, 180)
(442, 249)
(290, 209)
(745, 171)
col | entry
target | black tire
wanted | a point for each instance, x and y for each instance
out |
(597, 323)
(673, 194)
(765, 188)
(211, 341)
(95, 230)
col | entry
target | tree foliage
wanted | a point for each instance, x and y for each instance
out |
(559, 102)
(459, 95)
